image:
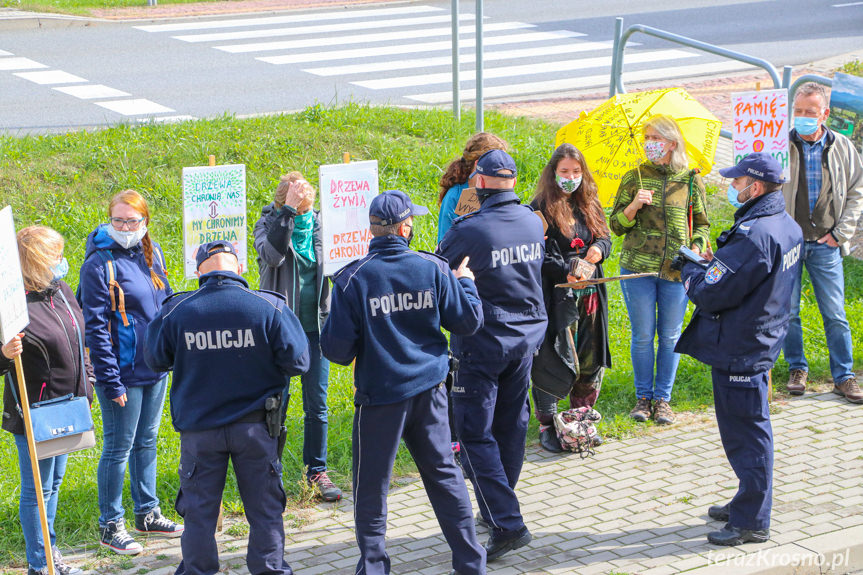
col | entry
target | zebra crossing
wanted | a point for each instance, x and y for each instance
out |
(403, 54)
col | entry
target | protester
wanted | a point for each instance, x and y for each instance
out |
(824, 195)
(457, 177)
(123, 282)
(575, 350)
(504, 242)
(54, 365)
(289, 243)
(660, 206)
(743, 301)
(231, 349)
(388, 308)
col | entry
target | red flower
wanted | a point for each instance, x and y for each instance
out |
(576, 243)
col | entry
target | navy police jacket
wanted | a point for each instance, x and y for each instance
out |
(504, 240)
(230, 348)
(387, 310)
(743, 299)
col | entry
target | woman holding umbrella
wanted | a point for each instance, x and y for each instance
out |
(575, 351)
(660, 205)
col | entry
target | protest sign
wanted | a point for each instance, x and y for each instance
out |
(346, 192)
(761, 125)
(13, 299)
(846, 107)
(468, 202)
(214, 208)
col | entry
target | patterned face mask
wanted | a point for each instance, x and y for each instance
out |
(654, 150)
(568, 185)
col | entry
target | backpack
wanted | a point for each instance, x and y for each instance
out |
(576, 429)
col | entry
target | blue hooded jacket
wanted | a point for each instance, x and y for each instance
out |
(117, 351)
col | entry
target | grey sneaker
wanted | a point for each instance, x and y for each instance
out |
(328, 489)
(642, 409)
(157, 524)
(797, 381)
(115, 537)
(60, 566)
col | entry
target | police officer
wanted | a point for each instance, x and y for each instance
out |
(387, 310)
(743, 305)
(231, 350)
(504, 241)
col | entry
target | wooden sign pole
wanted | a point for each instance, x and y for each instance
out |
(211, 161)
(346, 158)
(34, 463)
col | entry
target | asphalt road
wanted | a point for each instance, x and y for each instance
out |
(57, 78)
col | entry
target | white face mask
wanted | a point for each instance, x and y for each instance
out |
(127, 239)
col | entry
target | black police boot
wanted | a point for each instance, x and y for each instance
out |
(719, 512)
(549, 441)
(731, 536)
(500, 544)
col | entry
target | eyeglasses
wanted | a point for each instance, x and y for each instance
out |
(131, 224)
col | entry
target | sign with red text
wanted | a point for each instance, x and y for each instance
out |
(13, 298)
(214, 208)
(346, 192)
(760, 125)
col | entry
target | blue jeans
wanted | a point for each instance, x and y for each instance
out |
(129, 434)
(656, 307)
(314, 384)
(51, 471)
(824, 264)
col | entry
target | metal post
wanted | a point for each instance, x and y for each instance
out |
(151, 2)
(456, 97)
(479, 112)
(786, 77)
(616, 58)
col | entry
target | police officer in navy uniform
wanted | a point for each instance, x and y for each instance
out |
(387, 310)
(743, 306)
(505, 243)
(231, 349)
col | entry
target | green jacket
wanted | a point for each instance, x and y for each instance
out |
(651, 240)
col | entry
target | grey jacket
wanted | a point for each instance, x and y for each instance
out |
(842, 176)
(277, 265)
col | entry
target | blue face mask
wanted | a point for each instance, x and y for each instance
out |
(732, 195)
(60, 270)
(805, 126)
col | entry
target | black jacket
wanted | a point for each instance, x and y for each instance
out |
(51, 359)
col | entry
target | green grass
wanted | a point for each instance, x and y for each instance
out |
(66, 181)
(855, 68)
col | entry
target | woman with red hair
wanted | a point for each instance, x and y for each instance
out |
(123, 283)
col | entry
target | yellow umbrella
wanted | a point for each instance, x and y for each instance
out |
(611, 140)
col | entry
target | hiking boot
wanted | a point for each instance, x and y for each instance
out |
(157, 524)
(797, 381)
(719, 512)
(662, 413)
(732, 536)
(499, 543)
(849, 389)
(596, 441)
(548, 439)
(115, 537)
(60, 566)
(328, 489)
(641, 411)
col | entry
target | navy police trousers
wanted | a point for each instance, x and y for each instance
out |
(422, 421)
(743, 417)
(203, 466)
(491, 413)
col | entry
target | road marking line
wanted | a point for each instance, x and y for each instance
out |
(488, 56)
(136, 107)
(51, 77)
(9, 64)
(293, 19)
(320, 29)
(359, 39)
(578, 83)
(847, 4)
(5, 53)
(92, 91)
(523, 70)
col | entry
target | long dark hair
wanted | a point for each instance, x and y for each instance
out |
(558, 207)
(459, 169)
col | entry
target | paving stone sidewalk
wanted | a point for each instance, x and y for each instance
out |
(638, 507)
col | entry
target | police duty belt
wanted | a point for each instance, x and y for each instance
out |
(596, 281)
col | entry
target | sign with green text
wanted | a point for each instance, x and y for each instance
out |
(214, 208)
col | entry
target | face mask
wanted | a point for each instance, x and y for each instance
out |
(805, 126)
(568, 185)
(127, 239)
(60, 270)
(732, 195)
(654, 150)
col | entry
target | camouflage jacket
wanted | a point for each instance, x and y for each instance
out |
(651, 240)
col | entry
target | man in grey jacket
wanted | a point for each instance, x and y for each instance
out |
(289, 244)
(825, 196)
